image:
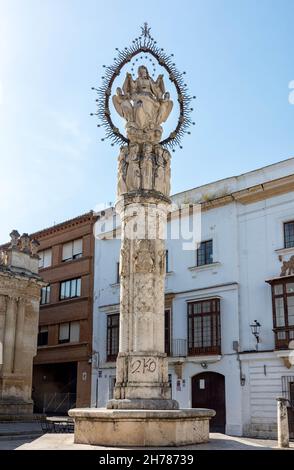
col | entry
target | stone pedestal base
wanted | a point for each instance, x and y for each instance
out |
(15, 407)
(142, 428)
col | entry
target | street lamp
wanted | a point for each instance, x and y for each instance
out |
(255, 330)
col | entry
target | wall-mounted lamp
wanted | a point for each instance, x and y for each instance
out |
(255, 330)
(204, 365)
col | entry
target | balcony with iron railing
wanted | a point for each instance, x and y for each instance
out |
(181, 348)
(204, 350)
(178, 348)
(283, 336)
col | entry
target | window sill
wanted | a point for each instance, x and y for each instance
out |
(62, 345)
(283, 352)
(169, 273)
(209, 358)
(62, 263)
(205, 267)
(285, 251)
(63, 302)
(108, 365)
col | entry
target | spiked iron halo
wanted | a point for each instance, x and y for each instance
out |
(144, 44)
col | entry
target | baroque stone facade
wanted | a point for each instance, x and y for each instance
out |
(20, 288)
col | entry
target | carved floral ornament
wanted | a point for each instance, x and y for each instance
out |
(143, 102)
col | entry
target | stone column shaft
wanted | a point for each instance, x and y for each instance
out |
(283, 426)
(9, 335)
(18, 357)
(142, 368)
(2, 326)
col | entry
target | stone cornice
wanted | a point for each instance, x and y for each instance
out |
(252, 194)
(22, 276)
(265, 190)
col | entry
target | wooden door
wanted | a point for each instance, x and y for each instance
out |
(208, 391)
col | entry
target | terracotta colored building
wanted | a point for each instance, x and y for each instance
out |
(62, 366)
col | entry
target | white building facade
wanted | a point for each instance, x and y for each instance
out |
(218, 265)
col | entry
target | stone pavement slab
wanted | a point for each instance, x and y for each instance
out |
(217, 442)
(15, 428)
(15, 433)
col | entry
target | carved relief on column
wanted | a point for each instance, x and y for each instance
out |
(159, 182)
(124, 263)
(144, 261)
(147, 167)
(143, 167)
(122, 171)
(167, 159)
(161, 261)
(133, 177)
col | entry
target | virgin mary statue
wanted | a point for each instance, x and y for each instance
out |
(143, 102)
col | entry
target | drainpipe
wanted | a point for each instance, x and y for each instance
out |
(242, 376)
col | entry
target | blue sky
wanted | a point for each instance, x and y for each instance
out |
(238, 56)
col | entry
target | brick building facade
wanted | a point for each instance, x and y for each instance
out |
(62, 367)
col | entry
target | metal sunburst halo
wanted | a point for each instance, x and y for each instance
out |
(146, 44)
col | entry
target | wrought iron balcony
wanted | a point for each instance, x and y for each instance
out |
(283, 336)
(179, 348)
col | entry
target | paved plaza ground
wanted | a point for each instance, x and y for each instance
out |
(29, 436)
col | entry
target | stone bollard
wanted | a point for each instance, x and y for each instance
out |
(282, 417)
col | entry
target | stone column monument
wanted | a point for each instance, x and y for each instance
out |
(142, 411)
(142, 203)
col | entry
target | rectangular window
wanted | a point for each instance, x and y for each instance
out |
(112, 336)
(64, 333)
(69, 332)
(43, 336)
(204, 333)
(204, 253)
(45, 295)
(72, 250)
(45, 258)
(70, 289)
(74, 331)
(283, 312)
(289, 234)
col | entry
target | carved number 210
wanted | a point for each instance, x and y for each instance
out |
(143, 365)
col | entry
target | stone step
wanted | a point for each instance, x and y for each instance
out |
(20, 436)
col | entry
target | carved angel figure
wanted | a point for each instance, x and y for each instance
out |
(144, 104)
